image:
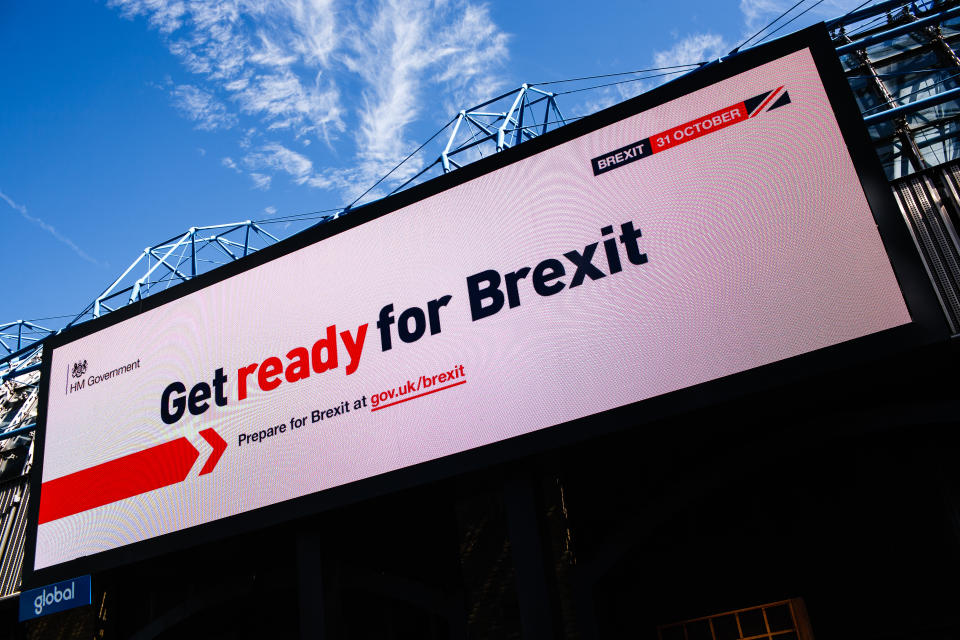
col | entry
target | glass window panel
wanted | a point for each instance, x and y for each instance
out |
(849, 61)
(882, 131)
(779, 618)
(917, 60)
(933, 115)
(888, 48)
(950, 27)
(751, 623)
(938, 143)
(916, 87)
(895, 163)
(725, 628)
(868, 96)
(918, 78)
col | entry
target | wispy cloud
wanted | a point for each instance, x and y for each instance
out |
(261, 181)
(277, 158)
(196, 104)
(400, 49)
(291, 71)
(698, 47)
(22, 209)
(250, 52)
(757, 13)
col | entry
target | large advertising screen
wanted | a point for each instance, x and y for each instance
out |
(723, 229)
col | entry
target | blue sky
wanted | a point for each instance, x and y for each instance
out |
(123, 123)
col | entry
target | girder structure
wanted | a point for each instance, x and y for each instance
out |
(17, 340)
(499, 123)
(177, 260)
(899, 57)
(504, 128)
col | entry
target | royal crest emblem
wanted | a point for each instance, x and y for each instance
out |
(79, 368)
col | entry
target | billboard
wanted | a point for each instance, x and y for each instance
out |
(716, 226)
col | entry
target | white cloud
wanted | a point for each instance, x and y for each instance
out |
(163, 15)
(271, 54)
(248, 51)
(298, 70)
(699, 47)
(270, 210)
(283, 102)
(400, 49)
(757, 13)
(275, 157)
(201, 107)
(230, 164)
(22, 209)
(260, 181)
(247, 139)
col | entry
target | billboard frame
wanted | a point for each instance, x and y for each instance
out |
(928, 323)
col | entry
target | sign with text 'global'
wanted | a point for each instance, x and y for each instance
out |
(53, 598)
(720, 231)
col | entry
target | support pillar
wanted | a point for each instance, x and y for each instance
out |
(536, 614)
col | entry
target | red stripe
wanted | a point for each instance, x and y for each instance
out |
(767, 101)
(125, 477)
(426, 393)
(694, 129)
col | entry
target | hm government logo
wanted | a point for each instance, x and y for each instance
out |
(75, 373)
(79, 368)
(78, 380)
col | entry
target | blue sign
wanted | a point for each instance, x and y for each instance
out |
(52, 598)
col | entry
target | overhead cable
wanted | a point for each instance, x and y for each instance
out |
(49, 318)
(789, 21)
(610, 84)
(622, 73)
(399, 164)
(772, 22)
(308, 215)
(854, 10)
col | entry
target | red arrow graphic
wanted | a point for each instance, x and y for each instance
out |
(218, 444)
(131, 475)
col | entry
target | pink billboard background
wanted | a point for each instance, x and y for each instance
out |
(760, 246)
